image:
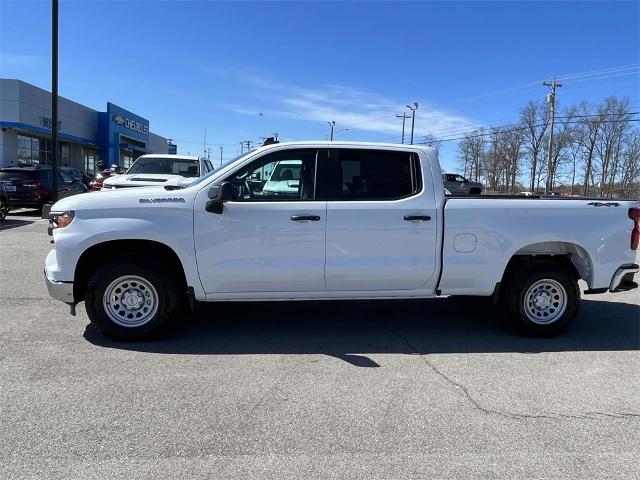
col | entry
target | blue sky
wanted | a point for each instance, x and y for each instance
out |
(187, 66)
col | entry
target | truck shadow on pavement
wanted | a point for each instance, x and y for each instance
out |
(351, 330)
(10, 223)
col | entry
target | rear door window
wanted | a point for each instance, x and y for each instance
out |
(372, 175)
(16, 175)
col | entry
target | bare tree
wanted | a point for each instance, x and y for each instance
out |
(471, 152)
(496, 160)
(594, 146)
(430, 141)
(590, 126)
(534, 118)
(561, 142)
(630, 166)
(614, 118)
(464, 155)
(513, 141)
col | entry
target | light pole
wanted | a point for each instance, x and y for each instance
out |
(332, 124)
(413, 117)
(220, 155)
(54, 101)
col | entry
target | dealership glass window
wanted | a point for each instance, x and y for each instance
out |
(90, 159)
(127, 158)
(28, 149)
(65, 155)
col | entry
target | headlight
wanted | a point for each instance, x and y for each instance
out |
(60, 220)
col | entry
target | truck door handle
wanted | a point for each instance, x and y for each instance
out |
(420, 218)
(302, 218)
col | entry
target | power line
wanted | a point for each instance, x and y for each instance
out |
(602, 77)
(600, 71)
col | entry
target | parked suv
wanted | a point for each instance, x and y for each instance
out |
(458, 185)
(30, 187)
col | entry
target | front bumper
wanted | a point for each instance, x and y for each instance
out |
(62, 291)
(622, 280)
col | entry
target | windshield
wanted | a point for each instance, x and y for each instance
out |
(166, 166)
(224, 165)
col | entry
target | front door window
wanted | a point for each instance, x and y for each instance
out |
(281, 176)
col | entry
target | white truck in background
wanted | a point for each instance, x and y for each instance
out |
(364, 221)
(160, 170)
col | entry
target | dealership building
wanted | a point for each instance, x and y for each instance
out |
(85, 136)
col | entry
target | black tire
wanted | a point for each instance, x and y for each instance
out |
(532, 298)
(4, 209)
(169, 301)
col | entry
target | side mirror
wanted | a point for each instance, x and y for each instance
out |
(219, 194)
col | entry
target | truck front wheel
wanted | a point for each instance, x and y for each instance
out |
(541, 298)
(131, 300)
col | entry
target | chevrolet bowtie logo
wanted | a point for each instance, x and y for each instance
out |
(119, 119)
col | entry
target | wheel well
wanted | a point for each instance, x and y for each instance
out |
(576, 257)
(475, 191)
(101, 253)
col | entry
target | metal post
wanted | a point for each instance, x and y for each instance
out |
(413, 117)
(220, 155)
(332, 124)
(54, 100)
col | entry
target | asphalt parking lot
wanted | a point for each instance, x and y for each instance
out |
(420, 389)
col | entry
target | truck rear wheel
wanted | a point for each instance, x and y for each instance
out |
(131, 300)
(541, 298)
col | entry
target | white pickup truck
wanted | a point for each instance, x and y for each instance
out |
(160, 170)
(364, 221)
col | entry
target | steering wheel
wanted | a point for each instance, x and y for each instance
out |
(248, 187)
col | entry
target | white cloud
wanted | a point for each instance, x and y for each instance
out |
(350, 107)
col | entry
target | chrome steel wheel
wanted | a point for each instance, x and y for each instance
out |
(545, 301)
(130, 301)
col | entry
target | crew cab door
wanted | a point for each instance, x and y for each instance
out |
(381, 221)
(267, 239)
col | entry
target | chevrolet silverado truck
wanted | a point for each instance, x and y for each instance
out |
(364, 221)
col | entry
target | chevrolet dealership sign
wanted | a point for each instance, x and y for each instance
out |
(134, 125)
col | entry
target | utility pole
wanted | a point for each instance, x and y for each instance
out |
(404, 118)
(551, 98)
(220, 155)
(54, 101)
(332, 124)
(275, 135)
(248, 144)
(413, 117)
